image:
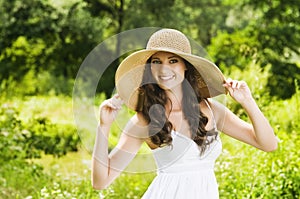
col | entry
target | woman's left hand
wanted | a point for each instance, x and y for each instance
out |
(238, 90)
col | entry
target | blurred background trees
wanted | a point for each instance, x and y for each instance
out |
(49, 39)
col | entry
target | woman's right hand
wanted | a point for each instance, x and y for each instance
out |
(109, 109)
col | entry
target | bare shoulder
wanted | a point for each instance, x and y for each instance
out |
(216, 105)
(219, 110)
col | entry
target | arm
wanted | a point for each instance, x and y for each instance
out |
(106, 167)
(259, 133)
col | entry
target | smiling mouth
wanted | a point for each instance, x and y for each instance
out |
(166, 77)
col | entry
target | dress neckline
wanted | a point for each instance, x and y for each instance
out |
(175, 134)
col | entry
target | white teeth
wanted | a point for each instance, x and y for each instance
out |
(166, 77)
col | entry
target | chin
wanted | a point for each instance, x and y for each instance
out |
(167, 86)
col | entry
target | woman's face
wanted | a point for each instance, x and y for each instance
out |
(167, 69)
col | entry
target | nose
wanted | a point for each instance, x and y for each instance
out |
(165, 66)
(164, 69)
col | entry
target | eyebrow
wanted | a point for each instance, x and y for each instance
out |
(174, 56)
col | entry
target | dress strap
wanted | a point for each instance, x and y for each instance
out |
(212, 114)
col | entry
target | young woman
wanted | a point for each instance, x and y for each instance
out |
(170, 89)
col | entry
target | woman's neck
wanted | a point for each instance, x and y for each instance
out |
(175, 95)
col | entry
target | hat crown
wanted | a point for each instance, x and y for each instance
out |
(169, 39)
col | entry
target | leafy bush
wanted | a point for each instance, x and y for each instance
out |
(19, 140)
(36, 83)
(245, 172)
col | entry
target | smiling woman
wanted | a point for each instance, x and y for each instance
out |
(169, 88)
(167, 69)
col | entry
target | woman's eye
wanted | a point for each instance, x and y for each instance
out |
(172, 61)
(156, 62)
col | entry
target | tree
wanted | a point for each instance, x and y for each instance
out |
(37, 36)
(267, 33)
(27, 33)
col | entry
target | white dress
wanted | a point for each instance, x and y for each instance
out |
(182, 172)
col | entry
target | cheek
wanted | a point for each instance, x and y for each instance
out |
(181, 71)
(155, 70)
(154, 73)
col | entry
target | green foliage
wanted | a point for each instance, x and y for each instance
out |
(267, 33)
(235, 49)
(27, 32)
(29, 140)
(40, 37)
(130, 186)
(20, 179)
(23, 139)
(79, 189)
(22, 55)
(80, 32)
(278, 27)
(241, 48)
(33, 83)
(55, 36)
(281, 83)
(244, 172)
(203, 20)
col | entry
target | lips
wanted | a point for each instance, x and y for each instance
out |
(166, 77)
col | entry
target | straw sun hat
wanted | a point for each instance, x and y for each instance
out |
(129, 74)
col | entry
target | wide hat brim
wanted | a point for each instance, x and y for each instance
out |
(129, 75)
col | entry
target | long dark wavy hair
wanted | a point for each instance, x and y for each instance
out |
(152, 101)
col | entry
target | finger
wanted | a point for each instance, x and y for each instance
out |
(118, 97)
(117, 101)
(228, 87)
(235, 84)
(104, 103)
(227, 82)
(111, 105)
(230, 83)
(230, 90)
(107, 104)
(240, 84)
(244, 84)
